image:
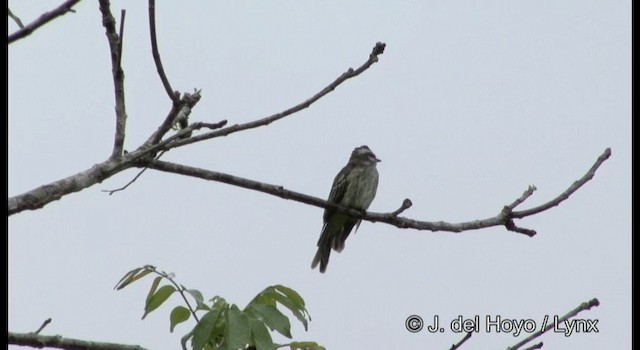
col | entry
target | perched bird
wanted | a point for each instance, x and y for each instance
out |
(354, 187)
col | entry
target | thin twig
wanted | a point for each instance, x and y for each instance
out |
(182, 134)
(42, 20)
(564, 195)
(186, 101)
(406, 204)
(15, 18)
(535, 346)
(123, 13)
(526, 194)
(462, 341)
(109, 24)
(378, 49)
(511, 226)
(584, 306)
(44, 324)
(173, 95)
(128, 183)
(181, 291)
(210, 126)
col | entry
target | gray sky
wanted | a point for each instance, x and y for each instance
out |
(470, 103)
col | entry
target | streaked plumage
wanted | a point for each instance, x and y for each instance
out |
(354, 187)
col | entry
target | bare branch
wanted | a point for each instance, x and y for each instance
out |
(44, 324)
(535, 346)
(39, 197)
(55, 341)
(281, 192)
(186, 101)
(406, 204)
(45, 194)
(526, 194)
(15, 18)
(123, 14)
(564, 195)
(504, 218)
(584, 306)
(128, 183)
(378, 49)
(210, 126)
(182, 134)
(511, 226)
(109, 24)
(462, 341)
(173, 95)
(42, 20)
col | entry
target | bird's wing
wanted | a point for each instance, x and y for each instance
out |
(338, 189)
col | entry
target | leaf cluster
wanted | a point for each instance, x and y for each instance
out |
(221, 325)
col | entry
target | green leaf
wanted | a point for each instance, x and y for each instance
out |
(178, 315)
(267, 297)
(196, 295)
(200, 305)
(158, 298)
(218, 331)
(237, 335)
(203, 330)
(219, 302)
(125, 277)
(306, 345)
(273, 318)
(286, 297)
(134, 275)
(154, 286)
(260, 336)
(183, 340)
(292, 295)
(299, 313)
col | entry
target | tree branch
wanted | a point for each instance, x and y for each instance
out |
(55, 341)
(462, 341)
(15, 18)
(584, 306)
(504, 218)
(182, 107)
(110, 192)
(115, 44)
(44, 324)
(42, 20)
(535, 346)
(173, 95)
(378, 49)
(123, 14)
(564, 195)
(39, 197)
(43, 195)
(189, 100)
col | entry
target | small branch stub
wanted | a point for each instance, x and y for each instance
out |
(406, 204)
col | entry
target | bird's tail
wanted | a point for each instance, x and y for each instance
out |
(322, 258)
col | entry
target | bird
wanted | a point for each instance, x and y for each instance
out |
(354, 187)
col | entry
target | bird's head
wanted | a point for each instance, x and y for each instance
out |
(362, 155)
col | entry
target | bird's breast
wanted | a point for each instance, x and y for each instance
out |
(361, 189)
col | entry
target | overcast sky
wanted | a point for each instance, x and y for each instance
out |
(471, 102)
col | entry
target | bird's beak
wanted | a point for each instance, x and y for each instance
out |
(378, 160)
